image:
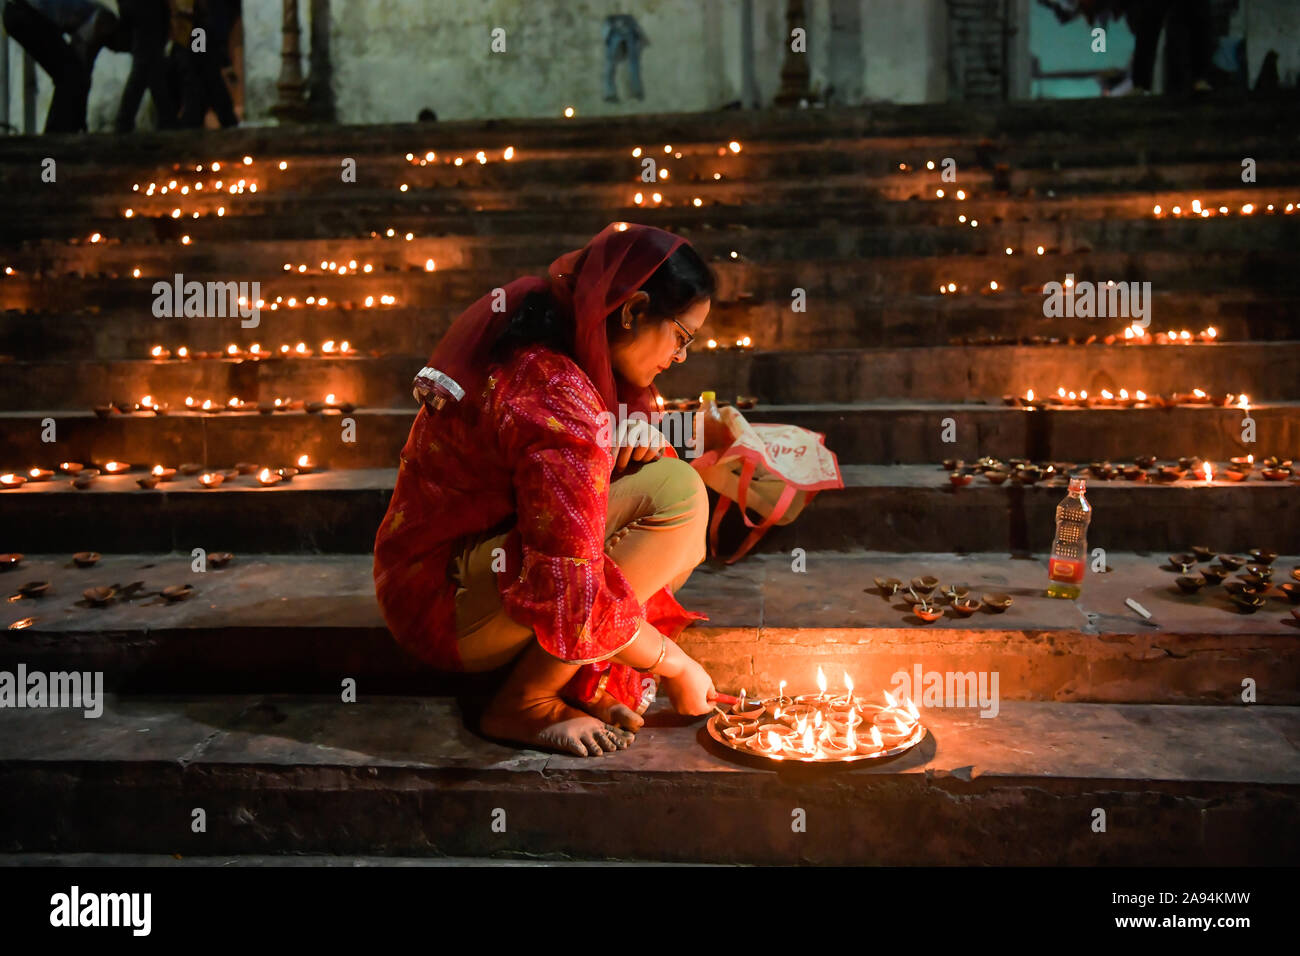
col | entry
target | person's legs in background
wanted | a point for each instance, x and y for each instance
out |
(1146, 18)
(149, 24)
(44, 41)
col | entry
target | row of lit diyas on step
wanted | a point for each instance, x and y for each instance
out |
(1200, 211)
(225, 180)
(83, 476)
(1020, 471)
(255, 351)
(691, 404)
(819, 728)
(1105, 398)
(149, 406)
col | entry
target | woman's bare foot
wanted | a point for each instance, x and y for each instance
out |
(608, 709)
(549, 722)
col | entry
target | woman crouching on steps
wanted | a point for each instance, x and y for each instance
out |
(526, 532)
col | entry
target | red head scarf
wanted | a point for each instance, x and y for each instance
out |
(587, 284)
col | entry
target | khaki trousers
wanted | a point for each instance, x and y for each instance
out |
(654, 531)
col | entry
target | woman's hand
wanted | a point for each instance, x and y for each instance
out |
(637, 441)
(691, 691)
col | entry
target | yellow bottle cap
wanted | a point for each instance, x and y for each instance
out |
(708, 396)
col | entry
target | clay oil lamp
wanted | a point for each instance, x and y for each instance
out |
(163, 474)
(86, 559)
(925, 585)
(748, 710)
(1295, 572)
(1248, 603)
(1145, 461)
(10, 561)
(116, 467)
(266, 478)
(1231, 562)
(997, 603)
(246, 467)
(148, 481)
(1233, 475)
(1291, 592)
(1242, 464)
(219, 559)
(39, 474)
(1214, 575)
(927, 612)
(996, 477)
(1246, 587)
(741, 732)
(1190, 585)
(190, 468)
(305, 465)
(84, 480)
(178, 592)
(1276, 474)
(888, 586)
(10, 481)
(1133, 473)
(1256, 583)
(211, 479)
(952, 464)
(777, 704)
(746, 401)
(158, 352)
(1260, 570)
(230, 474)
(287, 474)
(955, 592)
(1026, 476)
(1183, 562)
(966, 606)
(34, 589)
(99, 597)
(1169, 473)
(1263, 555)
(103, 411)
(960, 480)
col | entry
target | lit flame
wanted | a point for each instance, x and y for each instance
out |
(1140, 395)
(1198, 393)
(773, 741)
(889, 699)
(264, 474)
(1208, 471)
(848, 681)
(808, 739)
(1243, 401)
(821, 681)
(157, 469)
(302, 461)
(1029, 395)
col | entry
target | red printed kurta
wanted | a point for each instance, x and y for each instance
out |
(523, 454)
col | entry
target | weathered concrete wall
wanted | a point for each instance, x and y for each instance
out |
(392, 58)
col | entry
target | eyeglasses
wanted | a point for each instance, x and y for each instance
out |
(690, 337)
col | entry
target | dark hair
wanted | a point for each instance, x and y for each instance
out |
(682, 280)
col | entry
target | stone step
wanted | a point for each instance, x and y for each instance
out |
(895, 508)
(878, 433)
(301, 624)
(860, 141)
(929, 374)
(126, 331)
(355, 215)
(281, 774)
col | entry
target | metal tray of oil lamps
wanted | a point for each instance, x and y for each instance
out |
(718, 723)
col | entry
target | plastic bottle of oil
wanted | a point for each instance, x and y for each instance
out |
(709, 426)
(1069, 555)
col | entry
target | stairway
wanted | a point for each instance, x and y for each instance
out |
(231, 699)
